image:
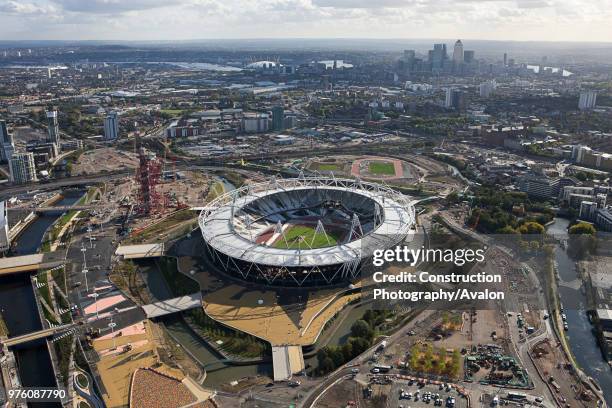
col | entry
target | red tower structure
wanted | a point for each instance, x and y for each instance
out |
(150, 200)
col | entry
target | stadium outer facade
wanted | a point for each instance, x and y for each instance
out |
(229, 227)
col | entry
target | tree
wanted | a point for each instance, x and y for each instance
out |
(359, 345)
(362, 329)
(327, 365)
(582, 228)
(452, 198)
(531, 228)
(347, 351)
(507, 230)
(428, 358)
(442, 361)
(414, 357)
(456, 363)
(335, 353)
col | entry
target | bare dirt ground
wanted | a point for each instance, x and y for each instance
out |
(105, 159)
(191, 189)
(551, 361)
(340, 395)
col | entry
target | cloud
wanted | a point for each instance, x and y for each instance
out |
(200, 19)
(22, 7)
(533, 4)
(362, 4)
(110, 6)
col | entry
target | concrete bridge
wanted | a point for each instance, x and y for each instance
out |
(40, 334)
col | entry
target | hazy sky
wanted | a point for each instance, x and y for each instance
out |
(562, 20)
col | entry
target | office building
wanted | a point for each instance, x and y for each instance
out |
(278, 116)
(458, 52)
(22, 168)
(111, 126)
(469, 56)
(587, 100)
(5, 239)
(409, 55)
(437, 57)
(7, 145)
(53, 128)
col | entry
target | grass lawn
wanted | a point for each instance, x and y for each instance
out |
(308, 233)
(382, 168)
(173, 112)
(215, 191)
(326, 166)
(82, 381)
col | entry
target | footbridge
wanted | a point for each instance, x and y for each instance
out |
(40, 334)
(177, 304)
(140, 251)
(34, 262)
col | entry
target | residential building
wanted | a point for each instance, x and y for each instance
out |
(539, 187)
(587, 100)
(53, 135)
(278, 116)
(255, 123)
(7, 146)
(22, 167)
(487, 88)
(111, 126)
(5, 239)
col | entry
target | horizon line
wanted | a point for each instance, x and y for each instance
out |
(304, 38)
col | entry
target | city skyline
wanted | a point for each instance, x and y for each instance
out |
(539, 20)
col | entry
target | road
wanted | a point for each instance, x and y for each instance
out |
(192, 163)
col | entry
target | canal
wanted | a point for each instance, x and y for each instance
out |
(19, 310)
(582, 340)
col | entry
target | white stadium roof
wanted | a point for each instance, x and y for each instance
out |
(217, 223)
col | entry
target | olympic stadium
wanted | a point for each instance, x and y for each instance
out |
(305, 231)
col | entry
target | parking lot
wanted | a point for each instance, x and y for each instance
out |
(423, 396)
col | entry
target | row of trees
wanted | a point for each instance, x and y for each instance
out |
(425, 359)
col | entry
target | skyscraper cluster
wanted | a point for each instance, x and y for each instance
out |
(438, 61)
